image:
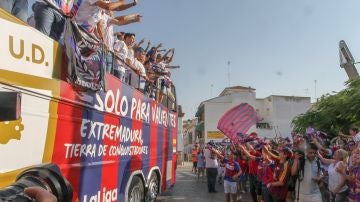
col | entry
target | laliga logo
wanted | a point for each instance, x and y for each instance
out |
(37, 53)
(10, 130)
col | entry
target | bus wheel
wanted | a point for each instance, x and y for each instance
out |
(136, 190)
(153, 188)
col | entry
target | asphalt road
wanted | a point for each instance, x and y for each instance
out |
(189, 188)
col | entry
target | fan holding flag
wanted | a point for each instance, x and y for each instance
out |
(236, 122)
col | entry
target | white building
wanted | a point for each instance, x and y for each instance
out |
(191, 136)
(276, 111)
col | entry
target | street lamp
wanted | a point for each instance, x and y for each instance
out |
(347, 61)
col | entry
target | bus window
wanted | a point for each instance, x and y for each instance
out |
(10, 106)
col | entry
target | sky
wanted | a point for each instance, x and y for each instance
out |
(278, 47)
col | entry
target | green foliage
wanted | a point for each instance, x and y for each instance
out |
(333, 113)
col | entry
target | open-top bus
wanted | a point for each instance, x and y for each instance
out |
(115, 144)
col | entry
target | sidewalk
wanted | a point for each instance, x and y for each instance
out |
(186, 166)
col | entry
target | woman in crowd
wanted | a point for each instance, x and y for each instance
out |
(337, 182)
(279, 186)
(352, 175)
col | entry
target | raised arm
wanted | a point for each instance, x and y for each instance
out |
(270, 154)
(115, 6)
(148, 46)
(250, 148)
(172, 56)
(267, 157)
(247, 153)
(295, 166)
(210, 150)
(140, 42)
(158, 46)
(324, 160)
(318, 145)
(126, 19)
(165, 55)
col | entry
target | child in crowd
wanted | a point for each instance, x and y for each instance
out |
(201, 165)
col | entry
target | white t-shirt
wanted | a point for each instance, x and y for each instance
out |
(140, 67)
(88, 15)
(130, 55)
(308, 187)
(210, 159)
(121, 49)
(162, 65)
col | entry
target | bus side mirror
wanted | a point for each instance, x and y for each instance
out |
(10, 106)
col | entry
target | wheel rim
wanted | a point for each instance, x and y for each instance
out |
(136, 194)
(153, 188)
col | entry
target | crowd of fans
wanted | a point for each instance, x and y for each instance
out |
(146, 69)
(306, 168)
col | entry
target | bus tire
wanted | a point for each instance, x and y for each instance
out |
(153, 188)
(136, 190)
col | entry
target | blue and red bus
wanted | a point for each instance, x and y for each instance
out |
(111, 145)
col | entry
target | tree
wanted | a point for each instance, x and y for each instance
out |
(333, 113)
